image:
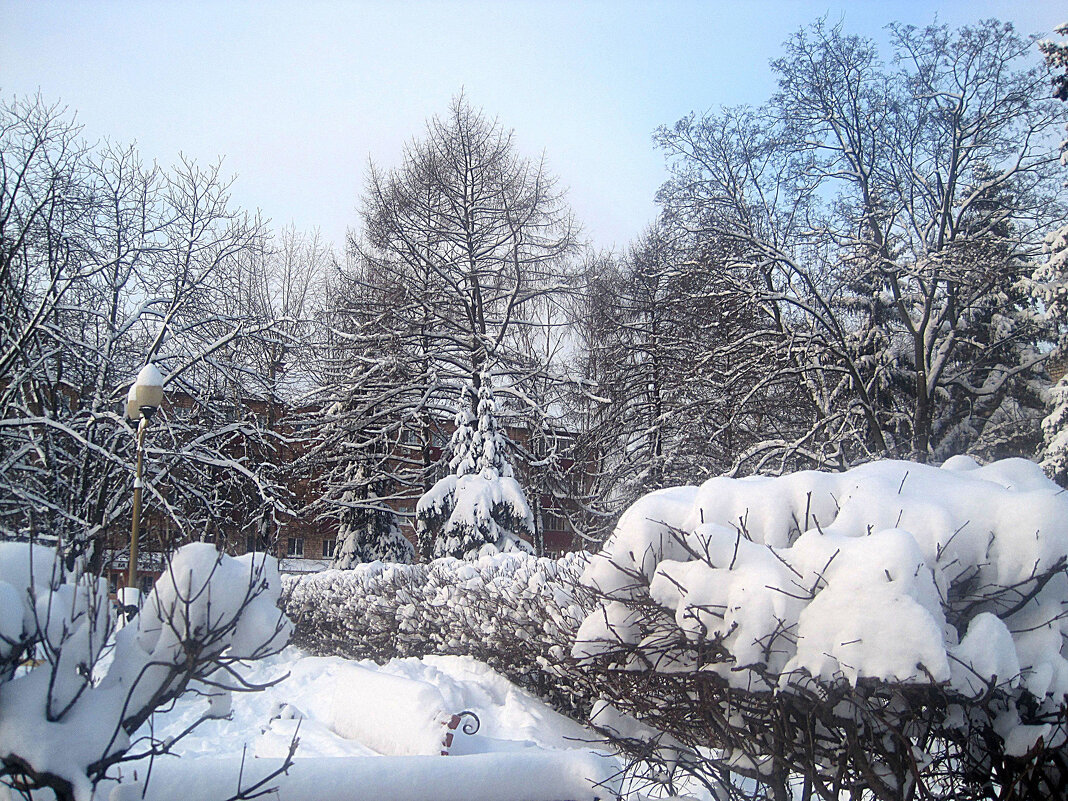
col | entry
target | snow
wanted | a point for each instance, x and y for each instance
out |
(70, 712)
(149, 376)
(370, 731)
(471, 506)
(900, 572)
(388, 714)
(540, 776)
(27, 572)
(479, 508)
(987, 653)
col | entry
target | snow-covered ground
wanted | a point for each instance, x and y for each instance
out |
(375, 732)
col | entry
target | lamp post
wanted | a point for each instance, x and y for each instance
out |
(144, 398)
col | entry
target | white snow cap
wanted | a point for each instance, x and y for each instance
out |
(146, 391)
(149, 376)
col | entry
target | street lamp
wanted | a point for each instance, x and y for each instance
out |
(144, 398)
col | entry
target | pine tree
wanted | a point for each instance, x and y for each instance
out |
(1050, 286)
(369, 530)
(479, 507)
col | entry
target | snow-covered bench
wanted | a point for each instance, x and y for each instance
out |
(470, 727)
(391, 715)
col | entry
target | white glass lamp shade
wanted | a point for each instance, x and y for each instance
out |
(146, 392)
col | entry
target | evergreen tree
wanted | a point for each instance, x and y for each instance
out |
(369, 530)
(1050, 285)
(479, 507)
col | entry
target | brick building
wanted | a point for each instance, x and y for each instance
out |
(304, 544)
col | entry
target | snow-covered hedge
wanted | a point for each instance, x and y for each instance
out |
(514, 611)
(67, 713)
(867, 629)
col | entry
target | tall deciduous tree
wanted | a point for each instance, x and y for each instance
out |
(459, 249)
(107, 264)
(882, 219)
(468, 233)
(667, 360)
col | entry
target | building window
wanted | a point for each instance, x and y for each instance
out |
(550, 521)
(328, 548)
(295, 546)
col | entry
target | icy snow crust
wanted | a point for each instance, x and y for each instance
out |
(892, 571)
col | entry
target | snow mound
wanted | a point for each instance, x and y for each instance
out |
(388, 714)
(522, 749)
(892, 571)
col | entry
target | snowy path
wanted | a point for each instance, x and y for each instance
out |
(391, 722)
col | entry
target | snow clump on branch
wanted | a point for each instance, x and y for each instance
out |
(67, 716)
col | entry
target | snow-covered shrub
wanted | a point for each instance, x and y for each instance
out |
(890, 628)
(479, 508)
(73, 690)
(516, 612)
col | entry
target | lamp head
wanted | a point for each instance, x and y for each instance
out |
(146, 393)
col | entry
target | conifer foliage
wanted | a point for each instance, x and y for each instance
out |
(369, 530)
(1050, 286)
(479, 508)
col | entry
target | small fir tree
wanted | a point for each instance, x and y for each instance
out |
(369, 530)
(479, 507)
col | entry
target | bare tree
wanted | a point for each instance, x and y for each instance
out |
(882, 219)
(473, 232)
(109, 264)
(457, 248)
(1048, 285)
(672, 370)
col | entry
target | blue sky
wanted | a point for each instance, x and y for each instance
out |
(298, 96)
